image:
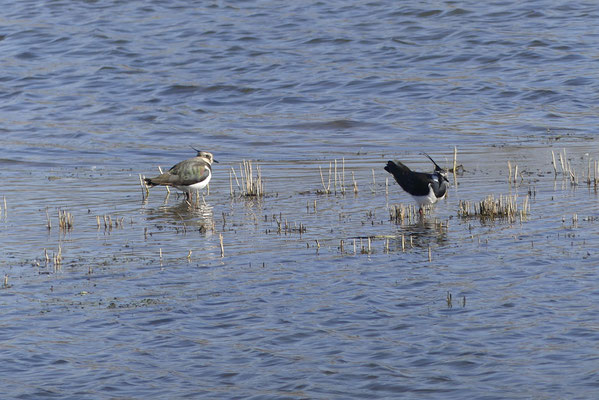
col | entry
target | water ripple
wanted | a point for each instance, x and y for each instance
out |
(96, 93)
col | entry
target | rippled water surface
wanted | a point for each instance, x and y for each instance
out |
(312, 295)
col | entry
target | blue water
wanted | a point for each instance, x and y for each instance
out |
(92, 94)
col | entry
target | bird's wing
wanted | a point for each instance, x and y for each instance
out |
(189, 172)
(164, 179)
(418, 183)
(415, 183)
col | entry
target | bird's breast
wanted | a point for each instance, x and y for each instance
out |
(430, 198)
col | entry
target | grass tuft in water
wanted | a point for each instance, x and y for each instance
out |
(326, 188)
(222, 247)
(455, 166)
(401, 213)
(57, 259)
(513, 177)
(491, 208)
(145, 191)
(566, 169)
(373, 187)
(109, 222)
(65, 220)
(366, 248)
(334, 177)
(48, 221)
(250, 185)
(592, 174)
(285, 227)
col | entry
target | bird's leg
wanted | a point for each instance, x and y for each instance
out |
(188, 197)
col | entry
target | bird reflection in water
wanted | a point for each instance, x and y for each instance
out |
(423, 233)
(184, 216)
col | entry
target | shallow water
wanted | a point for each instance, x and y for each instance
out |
(94, 94)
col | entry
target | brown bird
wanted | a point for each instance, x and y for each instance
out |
(188, 176)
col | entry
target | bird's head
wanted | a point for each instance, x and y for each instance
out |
(205, 155)
(441, 172)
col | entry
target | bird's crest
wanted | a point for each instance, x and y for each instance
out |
(204, 154)
(437, 168)
(441, 171)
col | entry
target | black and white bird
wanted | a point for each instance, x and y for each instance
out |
(188, 176)
(425, 188)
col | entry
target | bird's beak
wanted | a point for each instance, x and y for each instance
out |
(215, 161)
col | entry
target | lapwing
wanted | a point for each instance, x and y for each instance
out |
(425, 188)
(188, 176)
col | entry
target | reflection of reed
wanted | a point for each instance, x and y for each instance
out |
(3, 215)
(424, 233)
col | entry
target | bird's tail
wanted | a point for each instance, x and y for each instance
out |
(396, 168)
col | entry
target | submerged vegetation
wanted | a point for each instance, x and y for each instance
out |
(357, 232)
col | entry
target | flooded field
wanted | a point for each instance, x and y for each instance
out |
(328, 284)
(331, 288)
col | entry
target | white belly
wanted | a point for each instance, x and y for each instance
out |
(195, 186)
(430, 198)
